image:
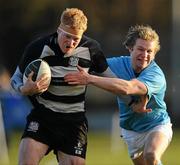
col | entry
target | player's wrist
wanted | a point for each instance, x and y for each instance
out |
(90, 79)
(21, 89)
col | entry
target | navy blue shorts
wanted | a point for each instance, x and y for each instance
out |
(66, 132)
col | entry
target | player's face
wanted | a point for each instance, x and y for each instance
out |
(142, 53)
(68, 42)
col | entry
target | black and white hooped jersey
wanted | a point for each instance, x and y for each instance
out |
(60, 96)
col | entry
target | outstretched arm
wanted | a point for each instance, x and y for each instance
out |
(114, 85)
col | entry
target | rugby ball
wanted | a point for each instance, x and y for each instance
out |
(39, 67)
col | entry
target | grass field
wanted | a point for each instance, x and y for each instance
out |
(102, 151)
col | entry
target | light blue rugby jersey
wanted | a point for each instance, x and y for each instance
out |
(154, 79)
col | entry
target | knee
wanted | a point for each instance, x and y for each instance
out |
(72, 160)
(151, 158)
(78, 161)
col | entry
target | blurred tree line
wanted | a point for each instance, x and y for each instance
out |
(21, 21)
(108, 21)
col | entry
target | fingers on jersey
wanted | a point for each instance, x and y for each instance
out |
(77, 77)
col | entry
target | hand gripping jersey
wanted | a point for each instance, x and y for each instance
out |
(61, 97)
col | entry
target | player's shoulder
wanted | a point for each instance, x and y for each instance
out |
(153, 74)
(42, 40)
(34, 50)
(89, 42)
(154, 67)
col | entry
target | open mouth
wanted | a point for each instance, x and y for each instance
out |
(67, 47)
(142, 60)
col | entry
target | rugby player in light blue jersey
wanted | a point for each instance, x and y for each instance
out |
(147, 133)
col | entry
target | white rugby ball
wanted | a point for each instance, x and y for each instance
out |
(39, 67)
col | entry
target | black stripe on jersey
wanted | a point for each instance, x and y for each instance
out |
(56, 61)
(84, 63)
(58, 81)
(59, 61)
(63, 99)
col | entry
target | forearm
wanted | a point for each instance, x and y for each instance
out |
(113, 85)
(127, 99)
(118, 86)
(16, 80)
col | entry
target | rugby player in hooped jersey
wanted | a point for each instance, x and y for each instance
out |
(57, 121)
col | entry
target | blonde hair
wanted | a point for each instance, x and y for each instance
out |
(142, 32)
(75, 19)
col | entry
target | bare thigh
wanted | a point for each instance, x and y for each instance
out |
(31, 151)
(156, 143)
(65, 159)
(155, 146)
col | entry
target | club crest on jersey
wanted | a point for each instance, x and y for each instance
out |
(33, 126)
(73, 61)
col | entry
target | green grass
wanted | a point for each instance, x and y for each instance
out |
(101, 151)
